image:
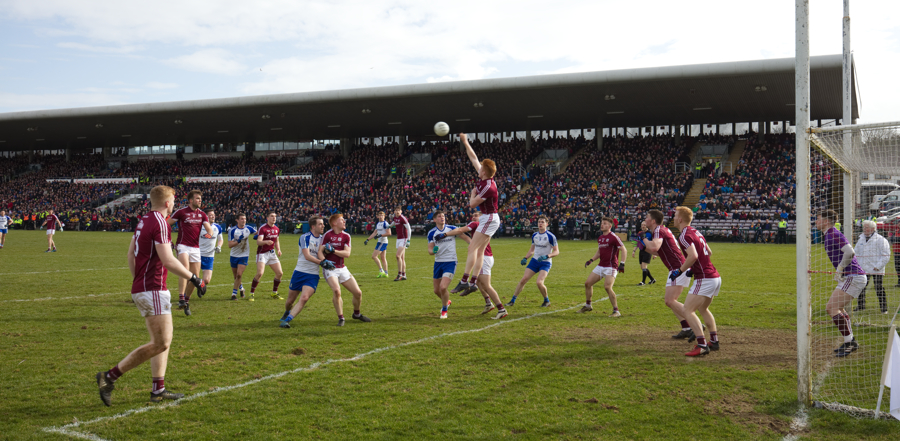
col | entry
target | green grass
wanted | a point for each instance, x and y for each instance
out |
(559, 375)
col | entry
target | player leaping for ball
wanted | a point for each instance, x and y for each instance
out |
(380, 234)
(51, 222)
(190, 219)
(850, 278)
(305, 279)
(335, 246)
(484, 197)
(707, 282)
(608, 266)
(659, 241)
(443, 248)
(149, 256)
(544, 247)
(268, 250)
(491, 298)
(404, 233)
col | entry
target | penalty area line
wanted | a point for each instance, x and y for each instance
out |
(68, 428)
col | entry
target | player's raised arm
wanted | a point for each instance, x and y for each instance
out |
(473, 158)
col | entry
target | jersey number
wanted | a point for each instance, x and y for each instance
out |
(137, 235)
(703, 244)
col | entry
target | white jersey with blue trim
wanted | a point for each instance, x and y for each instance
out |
(543, 244)
(4, 222)
(245, 234)
(208, 246)
(381, 228)
(446, 246)
(311, 243)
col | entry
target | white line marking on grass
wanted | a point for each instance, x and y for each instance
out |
(67, 429)
(798, 424)
(87, 296)
(64, 271)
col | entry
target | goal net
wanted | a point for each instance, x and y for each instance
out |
(841, 160)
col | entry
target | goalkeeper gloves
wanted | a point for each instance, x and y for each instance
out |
(439, 236)
(201, 287)
(689, 273)
(674, 273)
(435, 249)
(218, 250)
(366, 242)
(590, 261)
(524, 261)
(622, 267)
(328, 248)
(327, 264)
(407, 243)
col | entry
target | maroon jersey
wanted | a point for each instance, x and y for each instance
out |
(608, 248)
(149, 272)
(487, 190)
(51, 221)
(668, 252)
(190, 222)
(338, 241)
(402, 227)
(703, 267)
(473, 226)
(267, 233)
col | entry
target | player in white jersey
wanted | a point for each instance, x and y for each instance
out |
(305, 279)
(380, 234)
(5, 222)
(544, 247)
(210, 246)
(444, 251)
(239, 242)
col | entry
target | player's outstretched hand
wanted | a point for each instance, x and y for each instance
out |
(542, 258)
(407, 243)
(328, 248)
(366, 242)
(327, 264)
(435, 249)
(377, 236)
(621, 267)
(524, 261)
(674, 274)
(839, 277)
(689, 273)
(439, 236)
(590, 261)
(201, 287)
(218, 250)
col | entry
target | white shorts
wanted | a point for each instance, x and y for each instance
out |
(267, 258)
(343, 274)
(682, 280)
(853, 285)
(193, 252)
(486, 265)
(488, 224)
(153, 302)
(604, 271)
(51, 231)
(401, 243)
(706, 287)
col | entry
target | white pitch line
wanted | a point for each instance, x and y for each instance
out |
(67, 429)
(64, 271)
(87, 296)
(798, 424)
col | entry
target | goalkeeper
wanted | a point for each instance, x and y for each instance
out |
(544, 247)
(850, 278)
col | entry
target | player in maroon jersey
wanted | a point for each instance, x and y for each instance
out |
(268, 250)
(335, 247)
(491, 297)
(484, 197)
(149, 259)
(706, 281)
(51, 222)
(190, 219)
(660, 242)
(608, 266)
(404, 233)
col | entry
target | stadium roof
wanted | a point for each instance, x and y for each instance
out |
(758, 90)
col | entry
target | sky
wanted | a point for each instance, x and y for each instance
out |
(70, 53)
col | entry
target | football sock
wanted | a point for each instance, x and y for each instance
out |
(487, 301)
(587, 302)
(242, 286)
(159, 384)
(341, 316)
(356, 313)
(713, 337)
(253, 286)
(288, 318)
(444, 309)
(547, 299)
(181, 296)
(684, 325)
(473, 280)
(701, 340)
(513, 299)
(649, 275)
(843, 325)
(615, 309)
(275, 285)
(114, 373)
(286, 313)
(643, 275)
(234, 292)
(465, 278)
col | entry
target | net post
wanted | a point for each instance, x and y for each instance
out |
(849, 178)
(801, 106)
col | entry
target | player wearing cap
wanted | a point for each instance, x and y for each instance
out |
(380, 234)
(305, 279)
(51, 221)
(190, 220)
(239, 243)
(608, 266)
(544, 247)
(210, 246)
(149, 259)
(268, 250)
(335, 246)
(443, 248)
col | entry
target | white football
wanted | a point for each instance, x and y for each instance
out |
(441, 129)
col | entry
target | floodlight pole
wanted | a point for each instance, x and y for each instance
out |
(849, 176)
(801, 107)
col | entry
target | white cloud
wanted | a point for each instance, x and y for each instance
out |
(161, 86)
(217, 61)
(99, 49)
(21, 102)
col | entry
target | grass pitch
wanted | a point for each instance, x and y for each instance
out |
(541, 373)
